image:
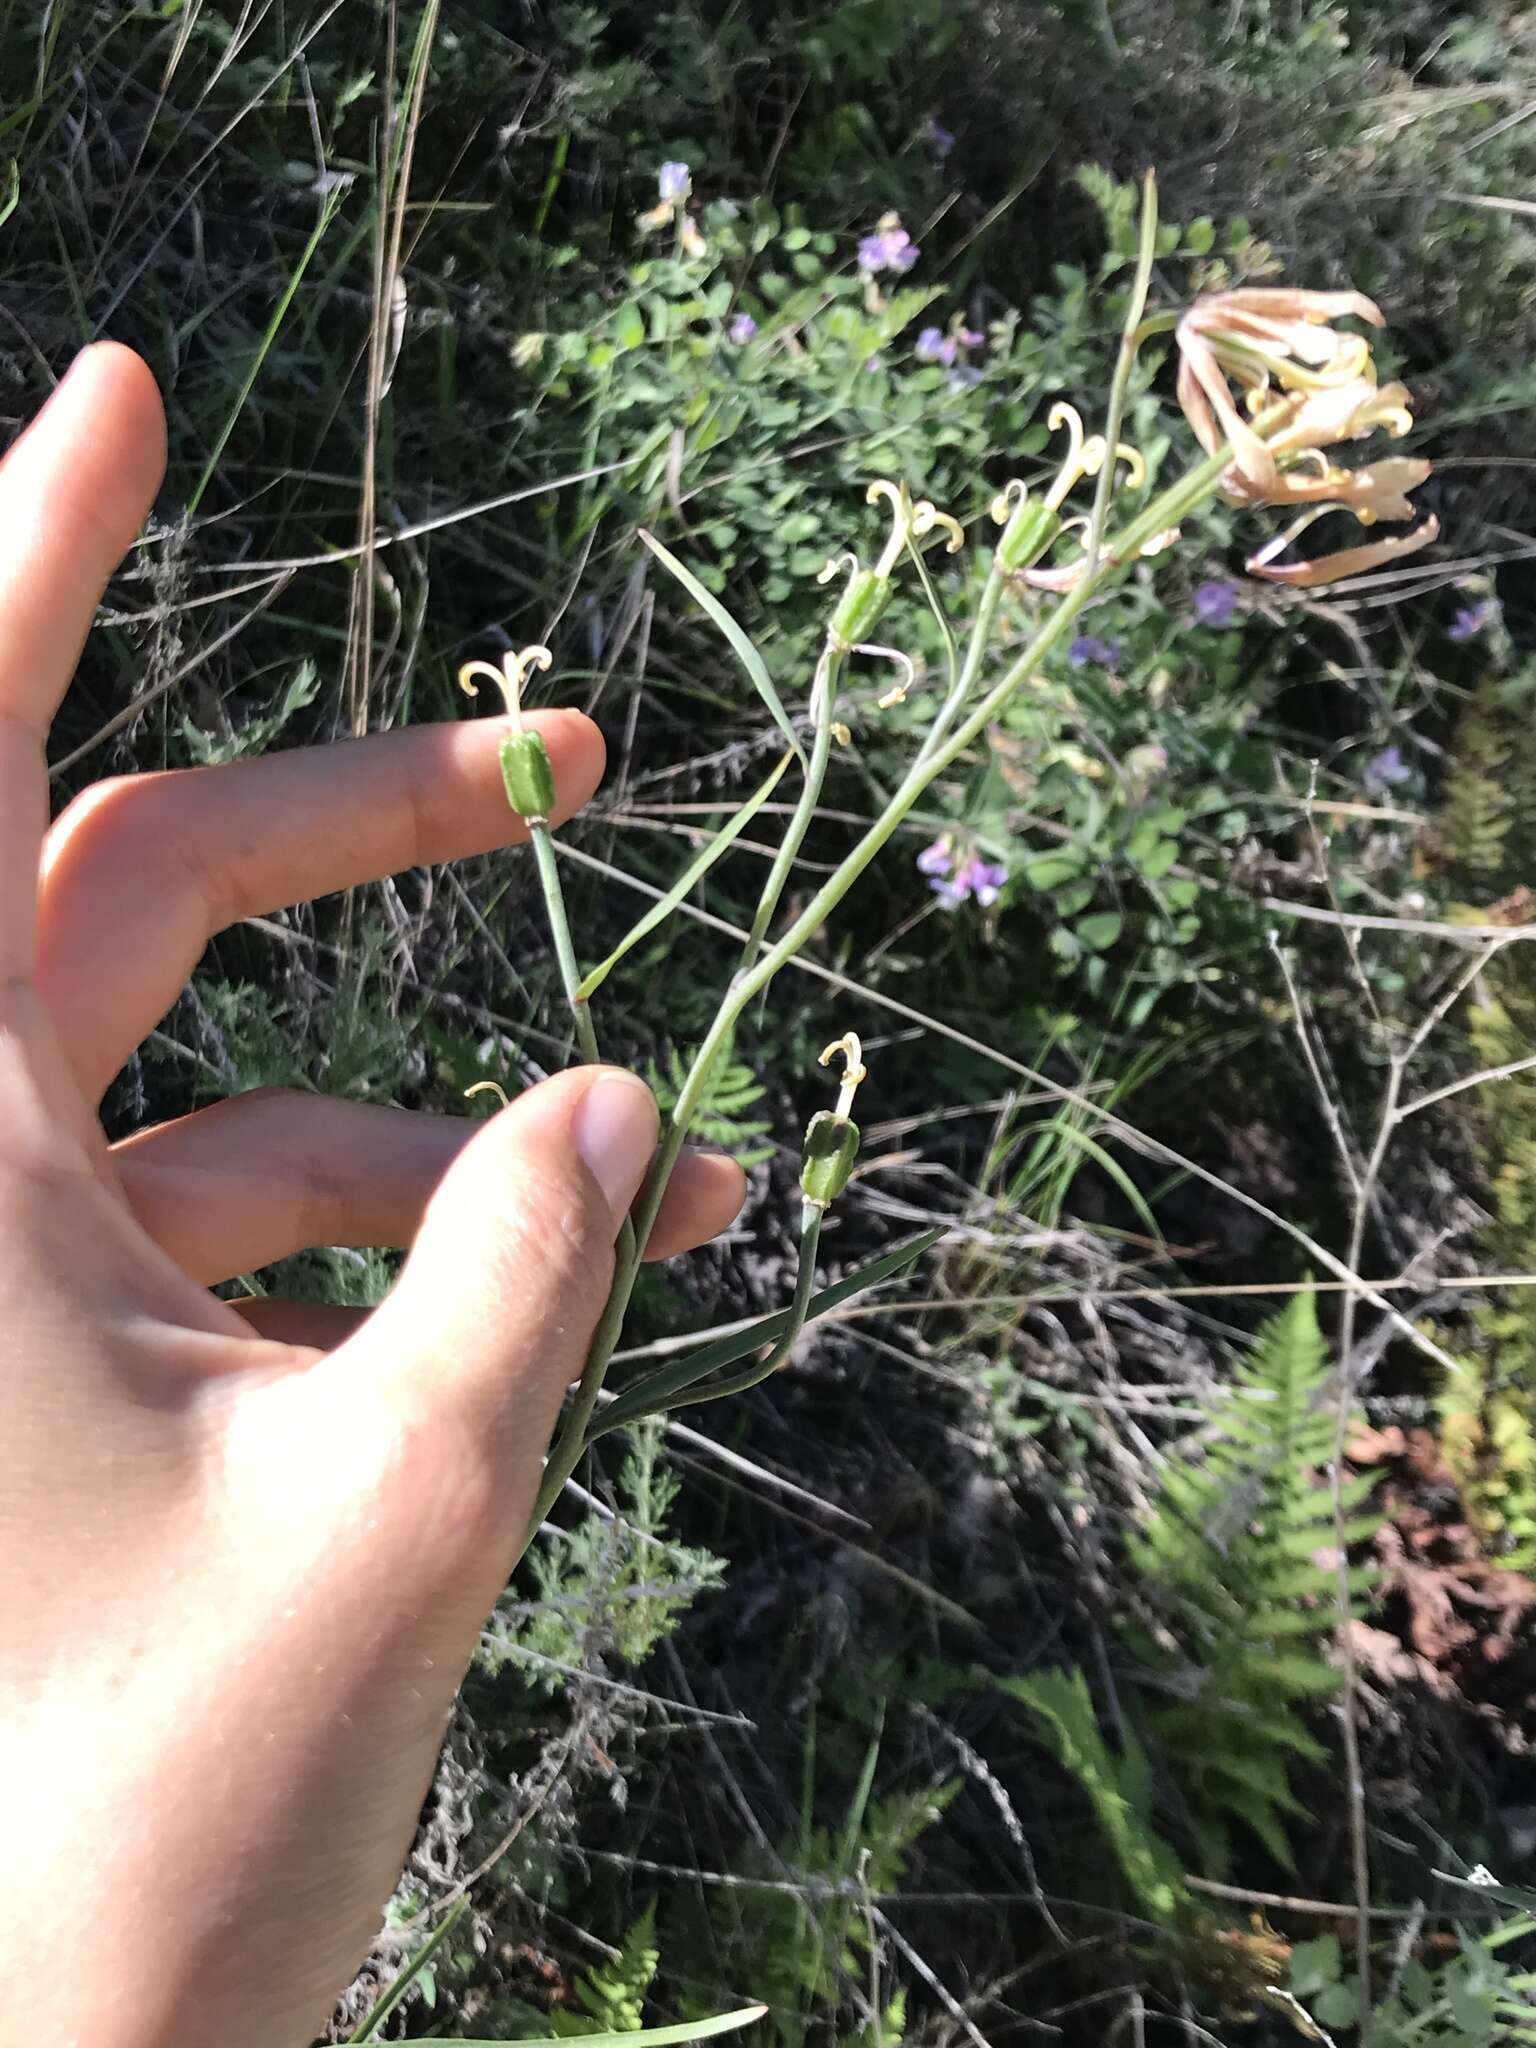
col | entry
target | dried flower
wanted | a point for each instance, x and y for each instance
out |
(1262, 338)
(741, 329)
(910, 521)
(690, 240)
(527, 772)
(1215, 604)
(1318, 387)
(890, 247)
(1030, 526)
(832, 1137)
(1305, 575)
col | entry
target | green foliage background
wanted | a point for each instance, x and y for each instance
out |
(922, 1692)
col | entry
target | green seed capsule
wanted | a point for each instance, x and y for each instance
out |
(831, 1147)
(526, 771)
(859, 608)
(1027, 536)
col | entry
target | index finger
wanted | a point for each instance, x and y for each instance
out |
(74, 491)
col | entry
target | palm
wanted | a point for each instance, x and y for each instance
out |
(249, 1550)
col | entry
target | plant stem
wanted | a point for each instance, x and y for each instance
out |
(1166, 510)
(778, 1355)
(560, 931)
(823, 698)
(981, 639)
(1130, 341)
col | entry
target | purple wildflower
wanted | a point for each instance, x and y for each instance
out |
(974, 876)
(741, 329)
(969, 337)
(963, 379)
(1470, 621)
(1385, 770)
(986, 878)
(939, 138)
(1087, 650)
(890, 247)
(674, 181)
(1215, 604)
(935, 346)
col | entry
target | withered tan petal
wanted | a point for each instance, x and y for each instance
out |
(1348, 561)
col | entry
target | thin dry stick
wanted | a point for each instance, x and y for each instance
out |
(388, 296)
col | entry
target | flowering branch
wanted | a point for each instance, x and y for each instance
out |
(1305, 387)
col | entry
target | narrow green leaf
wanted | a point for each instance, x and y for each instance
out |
(646, 2037)
(672, 1379)
(741, 646)
(368, 2030)
(664, 906)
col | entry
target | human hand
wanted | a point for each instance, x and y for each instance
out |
(244, 1558)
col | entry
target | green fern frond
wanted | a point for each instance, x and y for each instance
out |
(721, 1119)
(1478, 811)
(613, 1995)
(1234, 1553)
(1118, 1786)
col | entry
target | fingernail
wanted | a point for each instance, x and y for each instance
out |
(615, 1133)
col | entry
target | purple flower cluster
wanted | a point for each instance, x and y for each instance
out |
(953, 875)
(741, 329)
(933, 345)
(1215, 604)
(1385, 771)
(1088, 651)
(1471, 620)
(890, 247)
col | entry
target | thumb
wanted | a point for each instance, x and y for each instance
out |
(492, 1317)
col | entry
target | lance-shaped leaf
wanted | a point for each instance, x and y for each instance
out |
(741, 646)
(645, 2037)
(664, 906)
(647, 1395)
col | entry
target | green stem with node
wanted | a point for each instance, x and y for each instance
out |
(560, 931)
(823, 699)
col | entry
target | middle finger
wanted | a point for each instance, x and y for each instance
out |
(138, 874)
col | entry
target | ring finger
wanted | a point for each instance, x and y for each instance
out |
(252, 1180)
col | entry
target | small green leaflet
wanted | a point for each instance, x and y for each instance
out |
(664, 906)
(646, 2037)
(672, 1379)
(744, 651)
